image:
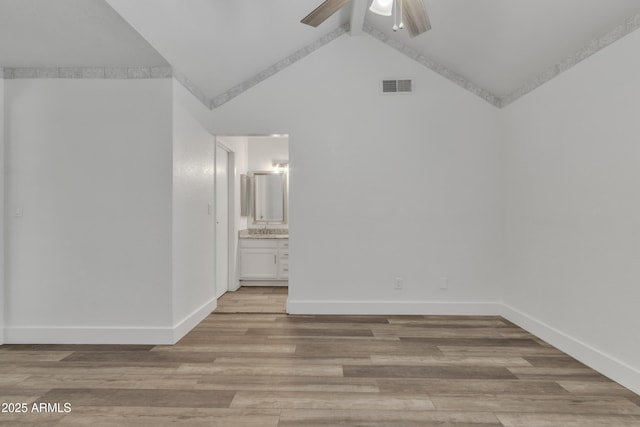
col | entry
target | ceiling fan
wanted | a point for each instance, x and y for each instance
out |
(412, 13)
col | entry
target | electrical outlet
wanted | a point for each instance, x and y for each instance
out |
(444, 283)
(398, 284)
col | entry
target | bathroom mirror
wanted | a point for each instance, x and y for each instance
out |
(245, 195)
(269, 197)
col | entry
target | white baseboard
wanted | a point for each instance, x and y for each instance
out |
(108, 335)
(263, 283)
(183, 327)
(88, 335)
(613, 368)
(234, 286)
(617, 370)
(390, 308)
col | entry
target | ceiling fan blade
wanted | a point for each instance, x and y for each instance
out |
(322, 12)
(415, 17)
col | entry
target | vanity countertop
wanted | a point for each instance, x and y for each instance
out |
(244, 234)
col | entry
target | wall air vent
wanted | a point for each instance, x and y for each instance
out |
(397, 86)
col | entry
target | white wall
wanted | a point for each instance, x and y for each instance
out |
(381, 186)
(573, 211)
(239, 147)
(193, 221)
(263, 151)
(90, 162)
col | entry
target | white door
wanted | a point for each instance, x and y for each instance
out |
(222, 221)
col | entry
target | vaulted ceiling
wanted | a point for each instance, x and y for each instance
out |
(71, 33)
(497, 45)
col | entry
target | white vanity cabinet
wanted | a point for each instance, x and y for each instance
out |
(283, 260)
(264, 259)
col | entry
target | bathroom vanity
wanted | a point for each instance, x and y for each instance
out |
(264, 247)
(264, 258)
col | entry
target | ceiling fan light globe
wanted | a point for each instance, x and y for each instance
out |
(382, 7)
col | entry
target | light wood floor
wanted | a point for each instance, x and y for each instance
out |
(277, 370)
(254, 299)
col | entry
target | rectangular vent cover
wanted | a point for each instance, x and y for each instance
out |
(397, 86)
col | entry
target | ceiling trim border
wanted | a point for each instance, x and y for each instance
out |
(433, 66)
(192, 88)
(107, 73)
(277, 67)
(138, 72)
(86, 72)
(591, 48)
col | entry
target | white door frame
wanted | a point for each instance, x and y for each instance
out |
(3, 237)
(3, 226)
(230, 214)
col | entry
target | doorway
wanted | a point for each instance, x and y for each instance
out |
(244, 156)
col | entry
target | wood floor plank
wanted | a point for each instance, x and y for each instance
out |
(444, 333)
(384, 418)
(303, 370)
(403, 371)
(450, 322)
(192, 417)
(10, 379)
(366, 348)
(567, 404)
(563, 361)
(321, 400)
(449, 361)
(34, 356)
(140, 359)
(567, 420)
(292, 361)
(128, 381)
(334, 319)
(75, 347)
(288, 383)
(481, 351)
(309, 332)
(475, 342)
(596, 388)
(150, 398)
(458, 387)
(91, 368)
(31, 419)
(247, 346)
(545, 373)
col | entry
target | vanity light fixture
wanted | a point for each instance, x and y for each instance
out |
(386, 8)
(280, 165)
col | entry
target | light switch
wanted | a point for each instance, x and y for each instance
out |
(19, 212)
(209, 208)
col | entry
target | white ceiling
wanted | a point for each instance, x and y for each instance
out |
(218, 44)
(74, 33)
(499, 45)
